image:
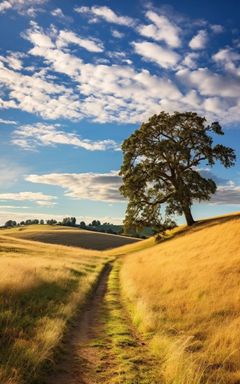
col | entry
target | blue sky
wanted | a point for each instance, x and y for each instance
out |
(77, 77)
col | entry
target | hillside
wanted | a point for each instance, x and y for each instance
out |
(73, 237)
(160, 313)
(184, 295)
(41, 289)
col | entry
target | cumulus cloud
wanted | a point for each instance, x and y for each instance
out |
(161, 29)
(38, 198)
(164, 57)
(89, 186)
(13, 60)
(220, 93)
(117, 34)
(190, 60)
(110, 89)
(111, 92)
(106, 14)
(29, 137)
(26, 7)
(229, 59)
(35, 95)
(57, 12)
(211, 84)
(199, 41)
(67, 37)
(5, 5)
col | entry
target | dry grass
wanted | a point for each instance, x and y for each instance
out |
(70, 236)
(184, 294)
(41, 288)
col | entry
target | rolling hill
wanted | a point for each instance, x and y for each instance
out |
(184, 295)
(166, 312)
(73, 237)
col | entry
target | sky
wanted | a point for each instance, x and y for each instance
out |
(78, 77)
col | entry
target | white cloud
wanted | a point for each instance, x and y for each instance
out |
(13, 207)
(199, 41)
(23, 7)
(190, 60)
(230, 60)
(10, 172)
(19, 216)
(220, 94)
(13, 60)
(211, 84)
(217, 28)
(38, 38)
(117, 34)
(27, 196)
(164, 57)
(8, 122)
(215, 104)
(31, 136)
(109, 92)
(35, 95)
(5, 5)
(162, 29)
(227, 194)
(106, 14)
(67, 37)
(89, 186)
(57, 12)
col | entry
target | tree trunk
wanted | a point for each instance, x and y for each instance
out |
(188, 216)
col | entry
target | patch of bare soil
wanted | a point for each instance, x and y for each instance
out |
(82, 239)
(82, 354)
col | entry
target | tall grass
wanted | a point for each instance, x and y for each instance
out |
(184, 295)
(41, 288)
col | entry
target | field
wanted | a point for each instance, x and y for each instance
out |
(159, 313)
(41, 288)
(71, 236)
(184, 296)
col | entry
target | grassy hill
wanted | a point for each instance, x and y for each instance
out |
(41, 288)
(70, 236)
(184, 295)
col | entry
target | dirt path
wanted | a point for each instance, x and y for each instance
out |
(102, 346)
(81, 356)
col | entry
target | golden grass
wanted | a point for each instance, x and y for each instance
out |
(184, 294)
(41, 287)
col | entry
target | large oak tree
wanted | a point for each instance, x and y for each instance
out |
(161, 166)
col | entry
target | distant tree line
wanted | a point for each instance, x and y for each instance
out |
(94, 225)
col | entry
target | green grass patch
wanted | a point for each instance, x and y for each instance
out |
(134, 365)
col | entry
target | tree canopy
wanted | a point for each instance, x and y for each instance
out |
(161, 166)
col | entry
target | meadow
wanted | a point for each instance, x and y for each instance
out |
(184, 296)
(166, 312)
(41, 288)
